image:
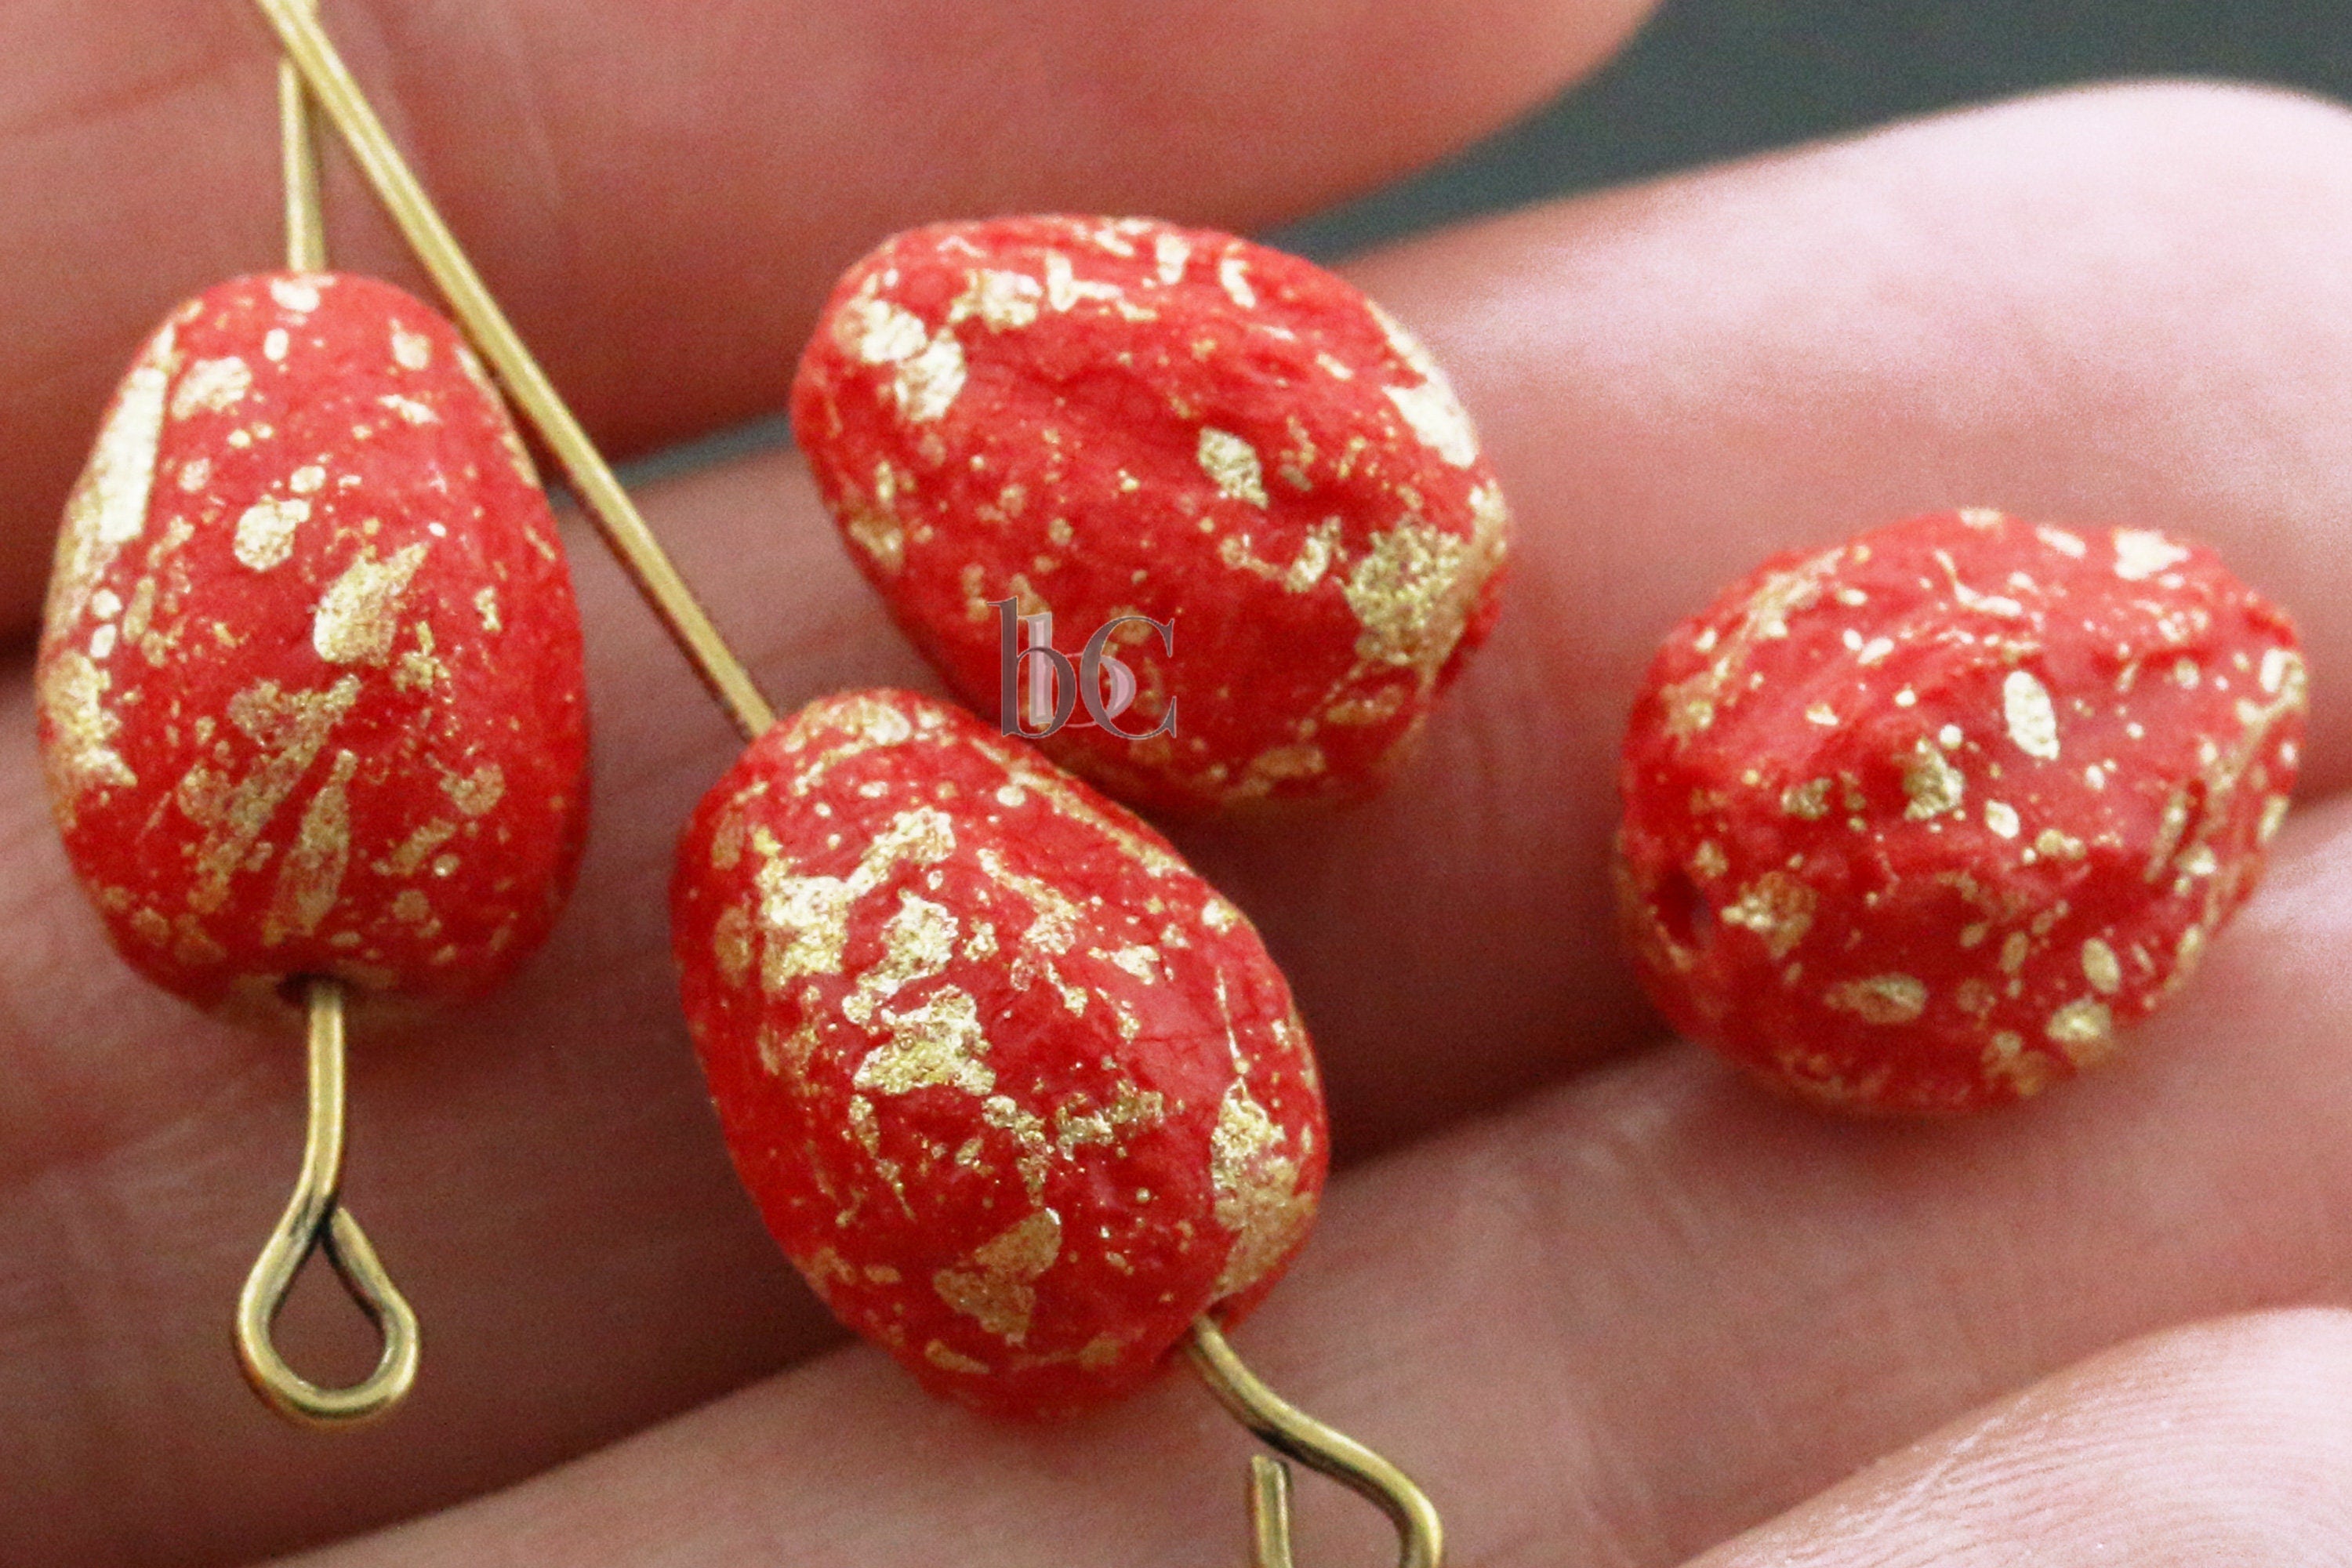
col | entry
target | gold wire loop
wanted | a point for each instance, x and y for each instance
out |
(1287, 1429)
(315, 1218)
(616, 517)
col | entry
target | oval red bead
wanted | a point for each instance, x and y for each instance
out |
(1920, 822)
(1018, 1092)
(1102, 418)
(311, 698)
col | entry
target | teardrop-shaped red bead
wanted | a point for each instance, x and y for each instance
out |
(311, 698)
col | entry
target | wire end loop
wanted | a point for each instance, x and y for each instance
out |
(315, 1218)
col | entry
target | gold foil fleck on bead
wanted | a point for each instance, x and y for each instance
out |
(2141, 554)
(108, 505)
(1809, 801)
(359, 615)
(1233, 465)
(1932, 783)
(995, 1287)
(1130, 1107)
(1777, 907)
(80, 754)
(1064, 289)
(410, 350)
(2006, 1060)
(1412, 593)
(939, 1043)
(927, 371)
(265, 533)
(2100, 966)
(2053, 844)
(1879, 999)
(1232, 277)
(415, 850)
(1054, 925)
(946, 1360)
(1438, 420)
(211, 386)
(2085, 1029)
(805, 922)
(730, 944)
(1256, 1191)
(299, 295)
(290, 728)
(478, 792)
(311, 874)
(1003, 302)
(2031, 719)
(1708, 861)
(1143, 963)
(917, 942)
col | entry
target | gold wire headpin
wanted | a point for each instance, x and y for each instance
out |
(1278, 1423)
(1287, 1429)
(616, 517)
(314, 1216)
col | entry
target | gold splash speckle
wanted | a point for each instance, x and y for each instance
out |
(80, 753)
(995, 1289)
(1232, 465)
(211, 386)
(1810, 800)
(2100, 966)
(937, 1353)
(359, 615)
(916, 943)
(1256, 1187)
(1879, 999)
(2033, 719)
(265, 533)
(2141, 554)
(290, 728)
(310, 876)
(939, 1044)
(1934, 786)
(2006, 1060)
(477, 792)
(2085, 1029)
(1777, 907)
(1004, 302)
(410, 350)
(928, 372)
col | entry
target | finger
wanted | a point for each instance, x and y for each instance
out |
(662, 202)
(1450, 944)
(2223, 1443)
(1620, 1324)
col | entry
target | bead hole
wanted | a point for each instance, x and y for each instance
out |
(1683, 910)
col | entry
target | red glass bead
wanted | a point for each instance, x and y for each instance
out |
(1017, 1092)
(1101, 418)
(1920, 822)
(310, 685)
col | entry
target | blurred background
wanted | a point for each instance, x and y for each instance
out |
(1710, 80)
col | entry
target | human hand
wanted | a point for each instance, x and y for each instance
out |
(1605, 1301)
